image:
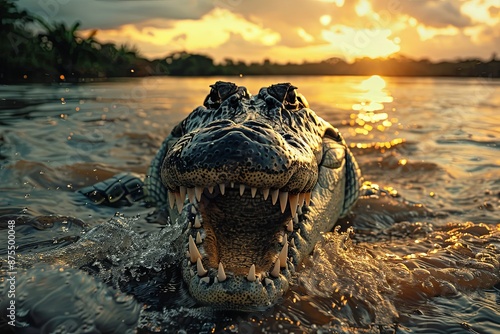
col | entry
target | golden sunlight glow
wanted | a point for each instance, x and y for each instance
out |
(363, 8)
(372, 98)
(304, 35)
(368, 117)
(427, 33)
(347, 30)
(325, 20)
(478, 10)
(356, 43)
(338, 3)
(373, 83)
(219, 24)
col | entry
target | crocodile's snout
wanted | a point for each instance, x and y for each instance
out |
(251, 153)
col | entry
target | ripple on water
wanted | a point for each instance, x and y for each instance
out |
(69, 301)
(382, 282)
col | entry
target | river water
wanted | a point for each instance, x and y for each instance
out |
(423, 256)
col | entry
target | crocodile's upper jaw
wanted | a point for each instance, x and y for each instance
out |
(252, 218)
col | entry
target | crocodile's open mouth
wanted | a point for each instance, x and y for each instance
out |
(240, 245)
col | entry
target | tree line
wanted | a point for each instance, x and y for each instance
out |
(34, 50)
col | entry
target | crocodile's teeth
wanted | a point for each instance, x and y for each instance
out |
(190, 193)
(182, 191)
(232, 184)
(205, 280)
(268, 281)
(222, 188)
(242, 189)
(283, 200)
(198, 191)
(253, 192)
(193, 210)
(280, 239)
(171, 199)
(299, 211)
(296, 218)
(308, 198)
(293, 199)
(251, 274)
(221, 275)
(289, 226)
(292, 242)
(210, 189)
(199, 268)
(274, 195)
(302, 198)
(179, 202)
(198, 238)
(194, 253)
(276, 269)
(265, 193)
(197, 222)
(284, 254)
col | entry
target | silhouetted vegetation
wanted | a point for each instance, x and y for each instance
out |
(32, 49)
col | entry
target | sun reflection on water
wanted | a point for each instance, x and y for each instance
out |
(374, 95)
(369, 114)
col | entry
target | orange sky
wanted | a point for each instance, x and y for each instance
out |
(293, 30)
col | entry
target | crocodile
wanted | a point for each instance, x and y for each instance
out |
(255, 180)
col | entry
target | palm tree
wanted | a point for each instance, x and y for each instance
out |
(73, 56)
(16, 42)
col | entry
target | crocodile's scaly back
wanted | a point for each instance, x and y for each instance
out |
(353, 183)
(156, 192)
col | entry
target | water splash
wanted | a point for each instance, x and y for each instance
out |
(367, 283)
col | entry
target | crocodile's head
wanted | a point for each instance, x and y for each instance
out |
(263, 176)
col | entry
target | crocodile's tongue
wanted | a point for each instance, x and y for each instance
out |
(241, 231)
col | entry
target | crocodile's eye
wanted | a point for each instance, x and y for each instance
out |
(219, 92)
(286, 94)
(280, 91)
(290, 96)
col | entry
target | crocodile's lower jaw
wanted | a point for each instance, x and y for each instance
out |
(233, 263)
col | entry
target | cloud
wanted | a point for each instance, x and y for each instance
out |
(209, 32)
(95, 14)
(293, 30)
(438, 14)
(355, 43)
(240, 49)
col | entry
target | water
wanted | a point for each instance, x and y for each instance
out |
(424, 262)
